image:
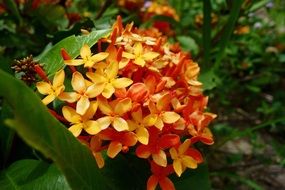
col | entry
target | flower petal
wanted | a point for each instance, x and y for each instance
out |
(123, 106)
(142, 135)
(143, 151)
(189, 162)
(90, 111)
(104, 122)
(184, 146)
(173, 153)
(152, 182)
(44, 88)
(48, 99)
(132, 125)
(99, 56)
(76, 129)
(160, 158)
(150, 56)
(137, 116)
(170, 117)
(138, 49)
(69, 96)
(74, 62)
(85, 51)
(78, 83)
(159, 123)
(166, 184)
(139, 61)
(58, 78)
(70, 114)
(114, 148)
(104, 106)
(122, 82)
(112, 70)
(108, 90)
(177, 166)
(92, 127)
(120, 124)
(128, 55)
(150, 119)
(99, 159)
(96, 78)
(94, 90)
(82, 105)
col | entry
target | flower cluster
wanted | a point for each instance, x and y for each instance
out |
(138, 94)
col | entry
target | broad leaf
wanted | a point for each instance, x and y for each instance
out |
(43, 132)
(52, 59)
(193, 179)
(32, 175)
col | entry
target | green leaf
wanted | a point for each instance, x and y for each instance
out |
(127, 172)
(32, 175)
(209, 79)
(193, 179)
(43, 132)
(207, 9)
(52, 59)
(6, 134)
(188, 44)
(228, 30)
(11, 5)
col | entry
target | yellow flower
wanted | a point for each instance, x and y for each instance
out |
(140, 124)
(158, 114)
(107, 81)
(139, 56)
(87, 58)
(82, 93)
(80, 122)
(114, 113)
(52, 90)
(181, 160)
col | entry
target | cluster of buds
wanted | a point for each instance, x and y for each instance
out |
(26, 68)
(138, 94)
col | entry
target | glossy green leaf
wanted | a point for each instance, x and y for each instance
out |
(193, 179)
(32, 175)
(52, 59)
(43, 132)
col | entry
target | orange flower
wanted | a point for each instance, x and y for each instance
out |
(52, 90)
(87, 59)
(157, 144)
(119, 141)
(80, 122)
(185, 157)
(159, 176)
(82, 93)
(113, 113)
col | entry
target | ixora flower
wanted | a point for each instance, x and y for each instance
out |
(139, 94)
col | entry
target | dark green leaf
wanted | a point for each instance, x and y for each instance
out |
(193, 179)
(209, 79)
(188, 44)
(11, 5)
(32, 175)
(228, 30)
(43, 132)
(53, 61)
(207, 9)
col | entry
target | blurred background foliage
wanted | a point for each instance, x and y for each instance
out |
(240, 46)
